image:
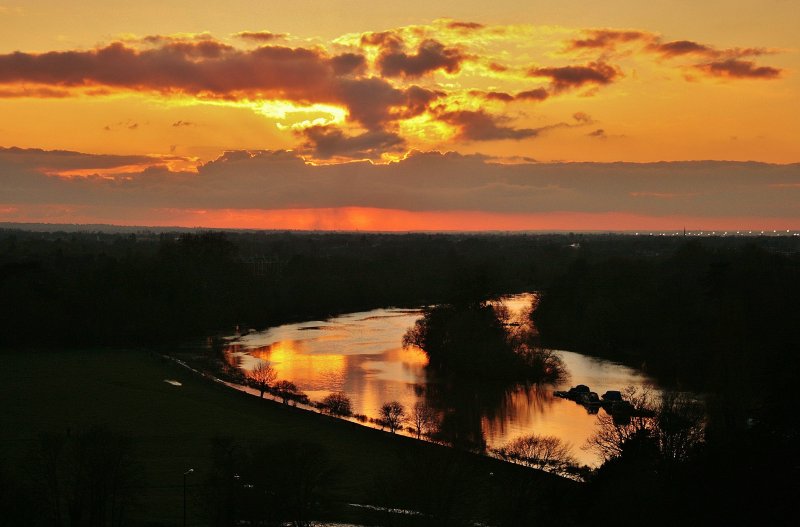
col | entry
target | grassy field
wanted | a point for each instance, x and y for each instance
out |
(172, 427)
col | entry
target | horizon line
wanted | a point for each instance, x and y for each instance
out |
(87, 227)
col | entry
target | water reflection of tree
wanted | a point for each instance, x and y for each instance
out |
(231, 356)
(465, 406)
(520, 404)
(224, 358)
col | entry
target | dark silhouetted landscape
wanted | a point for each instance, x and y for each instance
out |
(93, 436)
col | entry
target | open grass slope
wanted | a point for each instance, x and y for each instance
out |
(171, 428)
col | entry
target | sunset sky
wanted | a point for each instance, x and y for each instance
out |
(349, 114)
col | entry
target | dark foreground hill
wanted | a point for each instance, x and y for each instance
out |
(63, 398)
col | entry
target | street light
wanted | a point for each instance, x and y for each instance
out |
(184, 494)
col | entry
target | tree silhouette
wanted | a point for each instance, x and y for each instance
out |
(287, 390)
(262, 376)
(674, 424)
(338, 403)
(542, 452)
(423, 418)
(480, 340)
(393, 414)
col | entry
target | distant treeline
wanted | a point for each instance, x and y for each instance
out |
(691, 317)
(71, 289)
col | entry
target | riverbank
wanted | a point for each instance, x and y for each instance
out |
(171, 427)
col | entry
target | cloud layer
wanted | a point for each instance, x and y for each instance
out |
(460, 79)
(421, 183)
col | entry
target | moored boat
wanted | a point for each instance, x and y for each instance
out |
(573, 394)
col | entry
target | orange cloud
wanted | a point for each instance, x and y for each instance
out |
(373, 102)
(383, 91)
(539, 94)
(431, 55)
(598, 134)
(329, 142)
(607, 39)
(210, 69)
(725, 63)
(739, 69)
(481, 126)
(464, 26)
(260, 36)
(492, 95)
(680, 47)
(197, 68)
(41, 92)
(568, 77)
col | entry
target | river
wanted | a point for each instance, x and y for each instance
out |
(361, 355)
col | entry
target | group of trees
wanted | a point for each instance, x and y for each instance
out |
(541, 452)
(122, 288)
(702, 317)
(714, 318)
(477, 339)
(673, 424)
(392, 415)
(438, 415)
(160, 288)
(262, 377)
(288, 391)
(338, 404)
(655, 460)
(423, 420)
(479, 354)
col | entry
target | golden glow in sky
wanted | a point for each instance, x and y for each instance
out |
(169, 89)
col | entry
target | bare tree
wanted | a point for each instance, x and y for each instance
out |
(262, 376)
(337, 403)
(286, 390)
(613, 433)
(680, 422)
(393, 414)
(423, 418)
(675, 423)
(542, 452)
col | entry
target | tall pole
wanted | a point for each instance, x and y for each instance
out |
(184, 494)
